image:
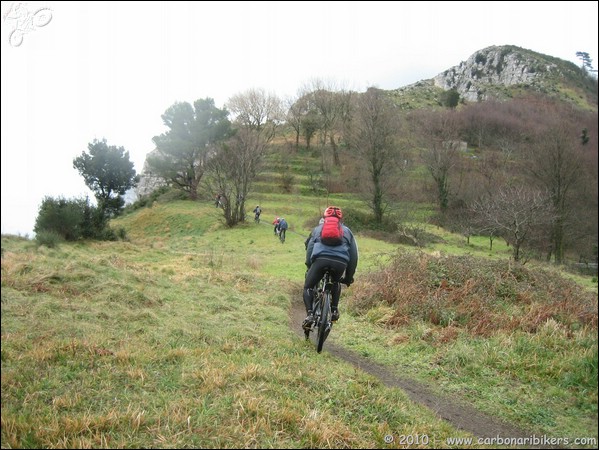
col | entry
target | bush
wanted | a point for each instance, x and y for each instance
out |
(48, 238)
(287, 181)
(482, 297)
(71, 220)
(361, 221)
(121, 233)
(62, 217)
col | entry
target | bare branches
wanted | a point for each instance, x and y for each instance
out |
(514, 213)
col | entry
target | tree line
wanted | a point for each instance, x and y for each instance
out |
(524, 170)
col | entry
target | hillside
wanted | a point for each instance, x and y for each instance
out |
(496, 72)
(503, 72)
(181, 337)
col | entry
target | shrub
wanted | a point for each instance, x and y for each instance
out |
(481, 297)
(71, 220)
(360, 221)
(62, 217)
(287, 181)
(48, 238)
(121, 233)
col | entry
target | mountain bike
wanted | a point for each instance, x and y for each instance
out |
(257, 218)
(282, 233)
(321, 308)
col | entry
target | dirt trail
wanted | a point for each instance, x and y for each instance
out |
(459, 415)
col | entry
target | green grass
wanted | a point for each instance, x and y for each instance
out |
(180, 337)
(154, 343)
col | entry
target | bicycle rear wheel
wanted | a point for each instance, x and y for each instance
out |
(317, 300)
(325, 324)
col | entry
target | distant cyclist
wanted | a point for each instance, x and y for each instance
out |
(282, 227)
(340, 257)
(276, 225)
(257, 212)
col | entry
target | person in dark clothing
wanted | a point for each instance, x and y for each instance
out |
(341, 260)
(257, 212)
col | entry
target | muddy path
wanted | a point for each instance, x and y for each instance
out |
(460, 415)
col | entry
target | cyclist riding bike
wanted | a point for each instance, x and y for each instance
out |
(341, 260)
(257, 212)
(282, 229)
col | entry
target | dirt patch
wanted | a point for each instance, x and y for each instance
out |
(453, 411)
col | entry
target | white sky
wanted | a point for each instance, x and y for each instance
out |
(111, 69)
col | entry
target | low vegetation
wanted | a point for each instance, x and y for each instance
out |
(180, 337)
(518, 342)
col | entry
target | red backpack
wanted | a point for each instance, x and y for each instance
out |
(332, 231)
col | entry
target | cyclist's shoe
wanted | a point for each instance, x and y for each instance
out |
(308, 322)
(335, 315)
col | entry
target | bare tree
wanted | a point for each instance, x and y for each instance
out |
(301, 116)
(296, 110)
(235, 166)
(374, 131)
(346, 114)
(496, 124)
(326, 100)
(516, 213)
(555, 161)
(230, 173)
(441, 153)
(541, 143)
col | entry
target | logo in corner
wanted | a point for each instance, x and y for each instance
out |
(22, 20)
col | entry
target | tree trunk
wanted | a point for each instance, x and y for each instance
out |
(335, 152)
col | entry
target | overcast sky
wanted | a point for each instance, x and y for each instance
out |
(110, 69)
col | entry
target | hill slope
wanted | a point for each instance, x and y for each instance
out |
(181, 338)
(503, 72)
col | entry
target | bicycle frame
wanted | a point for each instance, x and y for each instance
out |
(322, 310)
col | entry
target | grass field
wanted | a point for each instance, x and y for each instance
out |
(180, 337)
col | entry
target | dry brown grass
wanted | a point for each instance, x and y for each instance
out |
(482, 297)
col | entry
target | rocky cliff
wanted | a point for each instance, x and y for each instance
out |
(495, 66)
(502, 72)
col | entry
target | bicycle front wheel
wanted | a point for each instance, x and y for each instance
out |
(325, 324)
